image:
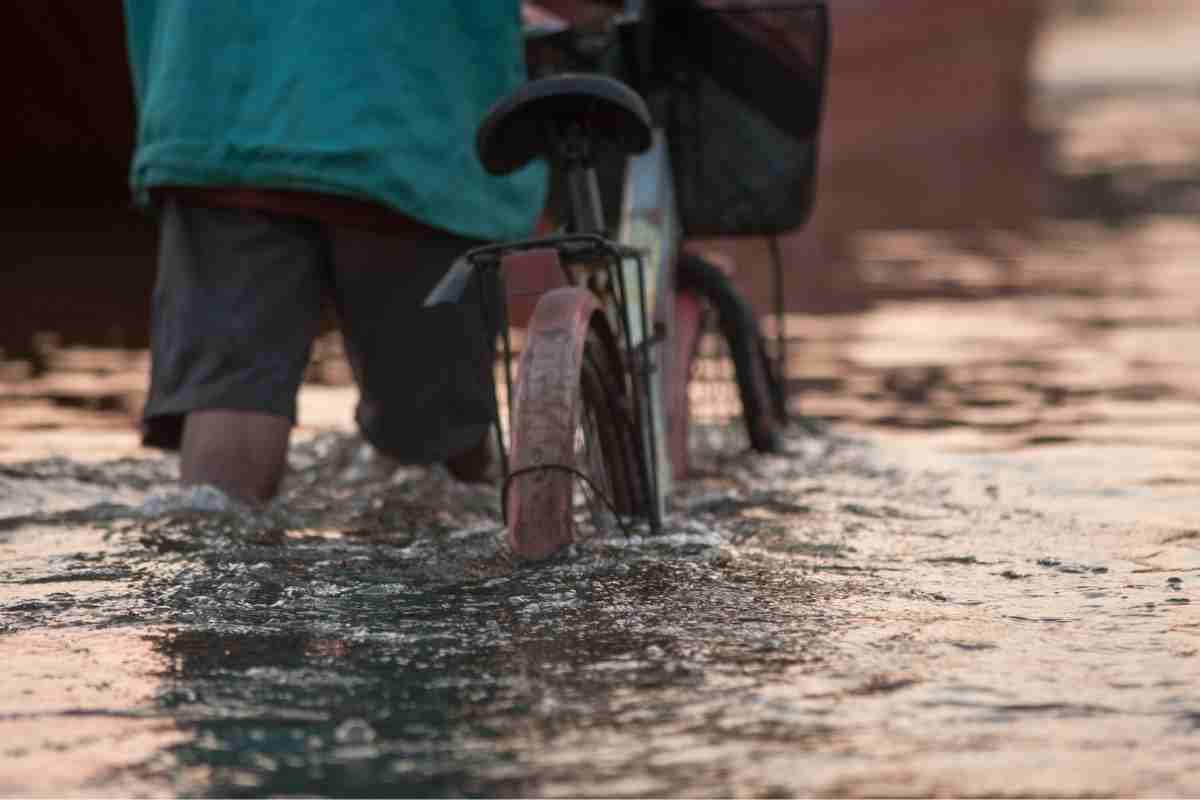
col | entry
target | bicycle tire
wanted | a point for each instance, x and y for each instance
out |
(759, 388)
(569, 392)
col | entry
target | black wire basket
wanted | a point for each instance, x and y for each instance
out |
(740, 87)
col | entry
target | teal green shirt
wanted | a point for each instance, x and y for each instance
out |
(371, 99)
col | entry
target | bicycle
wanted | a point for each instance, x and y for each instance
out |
(598, 410)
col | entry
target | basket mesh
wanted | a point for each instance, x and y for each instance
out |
(741, 86)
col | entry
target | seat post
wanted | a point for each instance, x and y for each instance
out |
(587, 215)
(573, 154)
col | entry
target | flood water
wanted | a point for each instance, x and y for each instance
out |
(840, 620)
(974, 573)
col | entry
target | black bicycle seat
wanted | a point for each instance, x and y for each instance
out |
(519, 128)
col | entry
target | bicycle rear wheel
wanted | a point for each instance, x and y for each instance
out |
(574, 447)
(706, 294)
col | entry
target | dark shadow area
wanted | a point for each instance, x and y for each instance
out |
(457, 691)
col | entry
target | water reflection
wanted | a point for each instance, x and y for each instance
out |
(296, 714)
(460, 690)
(87, 693)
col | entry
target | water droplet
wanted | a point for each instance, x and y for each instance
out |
(354, 732)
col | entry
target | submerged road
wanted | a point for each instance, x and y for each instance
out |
(849, 619)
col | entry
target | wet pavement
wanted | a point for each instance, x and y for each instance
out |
(973, 574)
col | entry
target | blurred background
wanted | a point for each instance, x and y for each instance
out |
(1002, 255)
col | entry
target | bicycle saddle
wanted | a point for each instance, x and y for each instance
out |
(522, 126)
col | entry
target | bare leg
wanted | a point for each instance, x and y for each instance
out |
(242, 453)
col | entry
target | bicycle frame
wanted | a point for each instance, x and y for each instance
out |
(649, 227)
(620, 318)
(639, 264)
(649, 224)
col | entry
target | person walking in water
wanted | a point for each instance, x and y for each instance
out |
(307, 151)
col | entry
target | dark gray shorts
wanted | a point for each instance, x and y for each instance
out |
(237, 305)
